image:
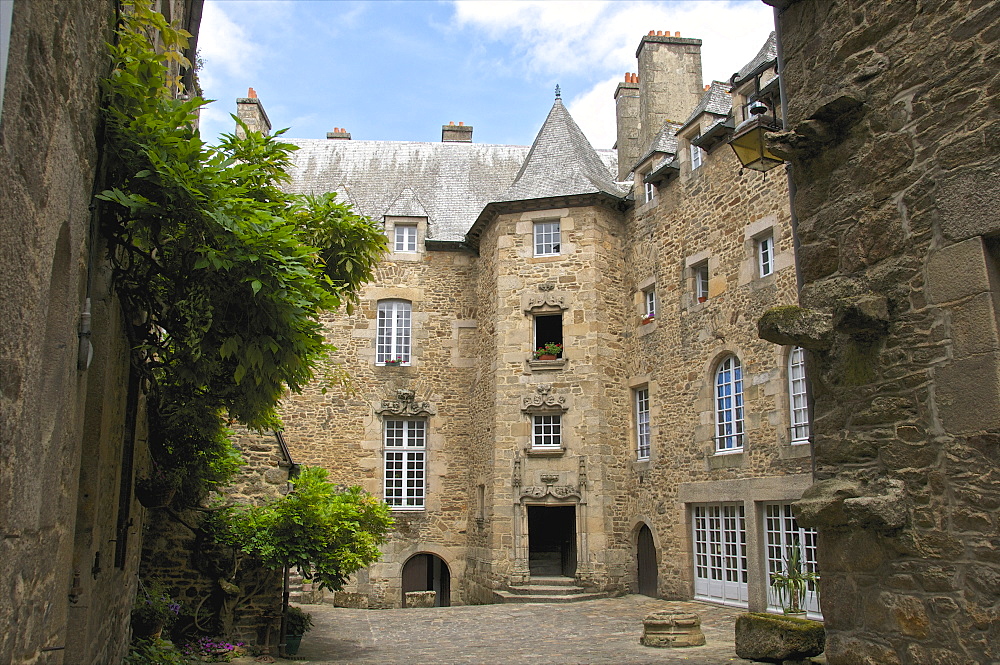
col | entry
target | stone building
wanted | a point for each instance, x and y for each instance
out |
(659, 448)
(71, 426)
(895, 156)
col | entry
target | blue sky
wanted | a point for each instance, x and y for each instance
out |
(399, 70)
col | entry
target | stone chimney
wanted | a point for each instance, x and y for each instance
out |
(460, 133)
(339, 133)
(627, 115)
(670, 83)
(251, 111)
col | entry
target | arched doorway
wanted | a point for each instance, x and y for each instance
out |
(427, 572)
(646, 562)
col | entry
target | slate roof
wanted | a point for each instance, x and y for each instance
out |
(716, 100)
(665, 141)
(450, 183)
(562, 162)
(768, 52)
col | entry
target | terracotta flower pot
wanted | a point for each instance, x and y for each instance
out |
(546, 357)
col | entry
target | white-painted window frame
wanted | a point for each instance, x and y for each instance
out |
(782, 532)
(798, 407)
(405, 464)
(546, 430)
(642, 429)
(547, 237)
(406, 237)
(720, 553)
(765, 255)
(394, 332)
(729, 414)
(700, 271)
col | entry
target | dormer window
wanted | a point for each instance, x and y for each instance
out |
(696, 154)
(649, 192)
(406, 237)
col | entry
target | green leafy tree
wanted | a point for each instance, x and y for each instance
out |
(221, 274)
(325, 532)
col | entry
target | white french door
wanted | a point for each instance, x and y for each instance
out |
(784, 534)
(720, 553)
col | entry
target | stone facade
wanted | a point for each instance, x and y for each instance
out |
(894, 149)
(71, 424)
(499, 506)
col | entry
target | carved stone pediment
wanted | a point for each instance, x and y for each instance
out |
(405, 404)
(545, 302)
(560, 492)
(544, 400)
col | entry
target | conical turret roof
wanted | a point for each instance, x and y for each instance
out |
(561, 162)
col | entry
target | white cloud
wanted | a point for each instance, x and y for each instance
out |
(598, 40)
(225, 47)
(594, 111)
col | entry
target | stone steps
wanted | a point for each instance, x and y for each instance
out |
(548, 589)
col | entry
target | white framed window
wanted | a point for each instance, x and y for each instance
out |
(642, 434)
(765, 255)
(392, 344)
(546, 431)
(782, 534)
(729, 406)
(405, 452)
(649, 298)
(798, 407)
(547, 238)
(701, 281)
(649, 192)
(696, 155)
(720, 552)
(406, 237)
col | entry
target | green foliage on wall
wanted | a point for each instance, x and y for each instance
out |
(324, 532)
(222, 276)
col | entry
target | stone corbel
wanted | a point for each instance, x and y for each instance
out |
(544, 400)
(545, 302)
(406, 405)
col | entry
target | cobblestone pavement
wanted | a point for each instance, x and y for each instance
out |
(588, 632)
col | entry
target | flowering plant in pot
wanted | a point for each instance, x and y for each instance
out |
(153, 610)
(297, 624)
(648, 318)
(394, 362)
(548, 351)
(158, 488)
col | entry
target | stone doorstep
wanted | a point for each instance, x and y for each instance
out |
(508, 597)
(546, 590)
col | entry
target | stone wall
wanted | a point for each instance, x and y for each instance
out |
(200, 574)
(65, 592)
(713, 214)
(894, 143)
(339, 429)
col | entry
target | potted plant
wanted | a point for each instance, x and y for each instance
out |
(158, 488)
(153, 611)
(792, 585)
(549, 351)
(394, 362)
(648, 318)
(297, 624)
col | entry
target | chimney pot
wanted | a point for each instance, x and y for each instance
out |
(251, 93)
(707, 86)
(677, 33)
(659, 33)
(451, 122)
(652, 33)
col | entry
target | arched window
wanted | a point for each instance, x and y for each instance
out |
(798, 408)
(393, 342)
(729, 406)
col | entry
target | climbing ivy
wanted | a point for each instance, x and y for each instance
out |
(222, 276)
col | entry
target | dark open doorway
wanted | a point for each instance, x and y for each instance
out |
(646, 562)
(427, 572)
(552, 540)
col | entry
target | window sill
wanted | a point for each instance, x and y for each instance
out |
(406, 509)
(554, 451)
(732, 459)
(646, 328)
(546, 365)
(795, 450)
(641, 465)
(399, 367)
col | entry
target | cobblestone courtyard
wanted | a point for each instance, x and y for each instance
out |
(591, 632)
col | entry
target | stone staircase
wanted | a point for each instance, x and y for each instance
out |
(548, 589)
